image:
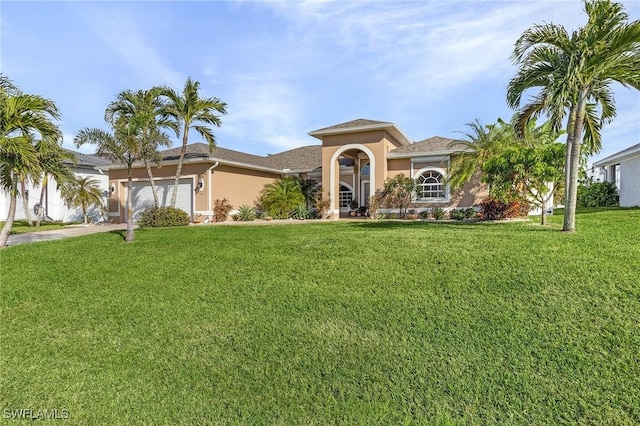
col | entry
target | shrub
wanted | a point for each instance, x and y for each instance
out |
(375, 202)
(518, 208)
(158, 217)
(469, 212)
(598, 194)
(221, 209)
(245, 214)
(321, 205)
(437, 213)
(280, 198)
(496, 209)
(457, 214)
(493, 209)
(301, 212)
(424, 214)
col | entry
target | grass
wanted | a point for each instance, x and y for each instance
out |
(367, 323)
(22, 226)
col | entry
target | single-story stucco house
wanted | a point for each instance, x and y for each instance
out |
(623, 169)
(83, 165)
(352, 161)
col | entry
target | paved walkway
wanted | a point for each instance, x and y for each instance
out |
(66, 232)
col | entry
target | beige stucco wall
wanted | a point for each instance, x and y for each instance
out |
(468, 196)
(239, 186)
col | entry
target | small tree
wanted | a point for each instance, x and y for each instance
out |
(82, 192)
(399, 192)
(534, 173)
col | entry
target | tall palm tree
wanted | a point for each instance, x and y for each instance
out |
(188, 109)
(148, 106)
(23, 119)
(82, 192)
(574, 74)
(120, 146)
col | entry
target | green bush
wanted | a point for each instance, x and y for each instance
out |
(245, 214)
(159, 217)
(598, 194)
(437, 213)
(301, 212)
(457, 214)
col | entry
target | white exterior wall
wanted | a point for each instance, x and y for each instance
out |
(55, 208)
(630, 182)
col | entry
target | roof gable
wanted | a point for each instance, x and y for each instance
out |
(362, 125)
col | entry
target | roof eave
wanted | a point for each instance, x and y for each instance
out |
(424, 154)
(619, 156)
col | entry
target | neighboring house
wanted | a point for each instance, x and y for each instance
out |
(353, 161)
(85, 165)
(623, 169)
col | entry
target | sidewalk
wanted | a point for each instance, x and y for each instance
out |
(66, 232)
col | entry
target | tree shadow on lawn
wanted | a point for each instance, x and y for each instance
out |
(395, 224)
(121, 233)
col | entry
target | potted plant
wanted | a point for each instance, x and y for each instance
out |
(362, 211)
(353, 205)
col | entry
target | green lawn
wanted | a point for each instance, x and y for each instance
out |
(369, 323)
(22, 226)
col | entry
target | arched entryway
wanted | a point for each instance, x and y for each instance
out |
(361, 158)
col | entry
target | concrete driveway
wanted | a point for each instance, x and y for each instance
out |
(66, 232)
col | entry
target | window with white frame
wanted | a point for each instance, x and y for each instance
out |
(345, 195)
(430, 185)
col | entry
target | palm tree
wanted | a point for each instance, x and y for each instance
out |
(188, 109)
(120, 146)
(147, 105)
(481, 143)
(573, 75)
(82, 192)
(281, 197)
(23, 119)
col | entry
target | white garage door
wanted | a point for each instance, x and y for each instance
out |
(143, 196)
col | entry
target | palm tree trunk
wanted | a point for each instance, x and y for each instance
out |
(25, 201)
(6, 229)
(154, 190)
(570, 202)
(129, 237)
(84, 213)
(183, 150)
(567, 162)
(43, 189)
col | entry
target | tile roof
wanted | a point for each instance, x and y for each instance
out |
(432, 145)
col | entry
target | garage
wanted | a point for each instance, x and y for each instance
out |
(143, 196)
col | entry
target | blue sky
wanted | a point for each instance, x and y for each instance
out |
(287, 68)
